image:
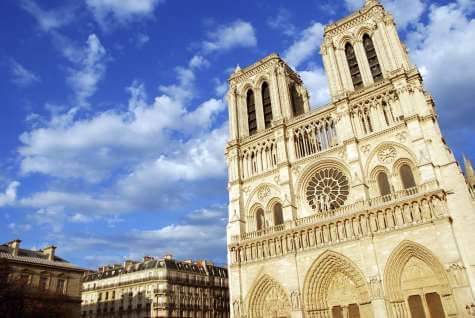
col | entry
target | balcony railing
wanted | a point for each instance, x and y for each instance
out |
(342, 211)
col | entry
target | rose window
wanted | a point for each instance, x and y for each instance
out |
(327, 189)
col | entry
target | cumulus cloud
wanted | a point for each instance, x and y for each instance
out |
(305, 46)
(229, 36)
(107, 12)
(48, 20)
(282, 22)
(9, 195)
(89, 70)
(315, 80)
(21, 76)
(443, 50)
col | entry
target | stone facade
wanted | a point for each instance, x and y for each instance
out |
(354, 209)
(157, 288)
(50, 277)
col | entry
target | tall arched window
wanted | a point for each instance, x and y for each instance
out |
(297, 103)
(407, 177)
(260, 220)
(251, 112)
(278, 214)
(383, 184)
(266, 103)
(372, 58)
(353, 65)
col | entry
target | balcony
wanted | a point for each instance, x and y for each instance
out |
(425, 203)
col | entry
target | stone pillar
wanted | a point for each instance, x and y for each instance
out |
(233, 118)
(344, 70)
(286, 104)
(259, 108)
(275, 96)
(363, 63)
(388, 49)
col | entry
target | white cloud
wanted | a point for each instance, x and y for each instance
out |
(19, 228)
(9, 196)
(305, 46)
(229, 36)
(315, 80)
(282, 22)
(51, 19)
(89, 71)
(405, 11)
(22, 76)
(140, 40)
(443, 49)
(107, 12)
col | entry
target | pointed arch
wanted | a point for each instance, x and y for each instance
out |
(355, 73)
(268, 299)
(399, 258)
(266, 104)
(328, 269)
(372, 57)
(251, 112)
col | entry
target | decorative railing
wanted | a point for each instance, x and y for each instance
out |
(321, 230)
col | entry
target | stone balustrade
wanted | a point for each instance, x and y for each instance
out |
(347, 223)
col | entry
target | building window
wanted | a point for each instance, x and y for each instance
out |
(266, 103)
(43, 285)
(25, 279)
(60, 286)
(260, 220)
(383, 184)
(353, 65)
(407, 177)
(251, 112)
(278, 215)
(296, 99)
(372, 58)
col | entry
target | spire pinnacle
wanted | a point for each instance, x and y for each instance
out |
(369, 3)
(469, 172)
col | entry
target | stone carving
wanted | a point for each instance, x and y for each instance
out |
(237, 308)
(376, 287)
(263, 192)
(401, 137)
(387, 154)
(456, 273)
(295, 299)
(365, 149)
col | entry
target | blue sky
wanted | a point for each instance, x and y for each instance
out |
(114, 123)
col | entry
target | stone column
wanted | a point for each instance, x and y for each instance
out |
(259, 108)
(275, 96)
(233, 118)
(363, 63)
(391, 61)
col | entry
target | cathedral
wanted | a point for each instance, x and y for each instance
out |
(354, 209)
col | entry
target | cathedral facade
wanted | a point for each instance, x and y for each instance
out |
(354, 209)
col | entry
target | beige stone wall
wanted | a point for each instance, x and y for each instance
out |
(380, 249)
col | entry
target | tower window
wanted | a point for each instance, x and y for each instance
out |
(266, 102)
(278, 215)
(407, 177)
(251, 112)
(353, 65)
(383, 184)
(260, 220)
(372, 58)
(296, 99)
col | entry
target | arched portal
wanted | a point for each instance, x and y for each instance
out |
(416, 284)
(269, 299)
(335, 287)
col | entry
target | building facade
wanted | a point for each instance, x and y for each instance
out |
(48, 281)
(354, 209)
(157, 288)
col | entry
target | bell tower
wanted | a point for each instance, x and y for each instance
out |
(362, 53)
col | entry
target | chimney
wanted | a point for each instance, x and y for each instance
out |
(49, 251)
(15, 246)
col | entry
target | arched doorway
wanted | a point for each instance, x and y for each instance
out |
(335, 288)
(268, 299)
(416, 284)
